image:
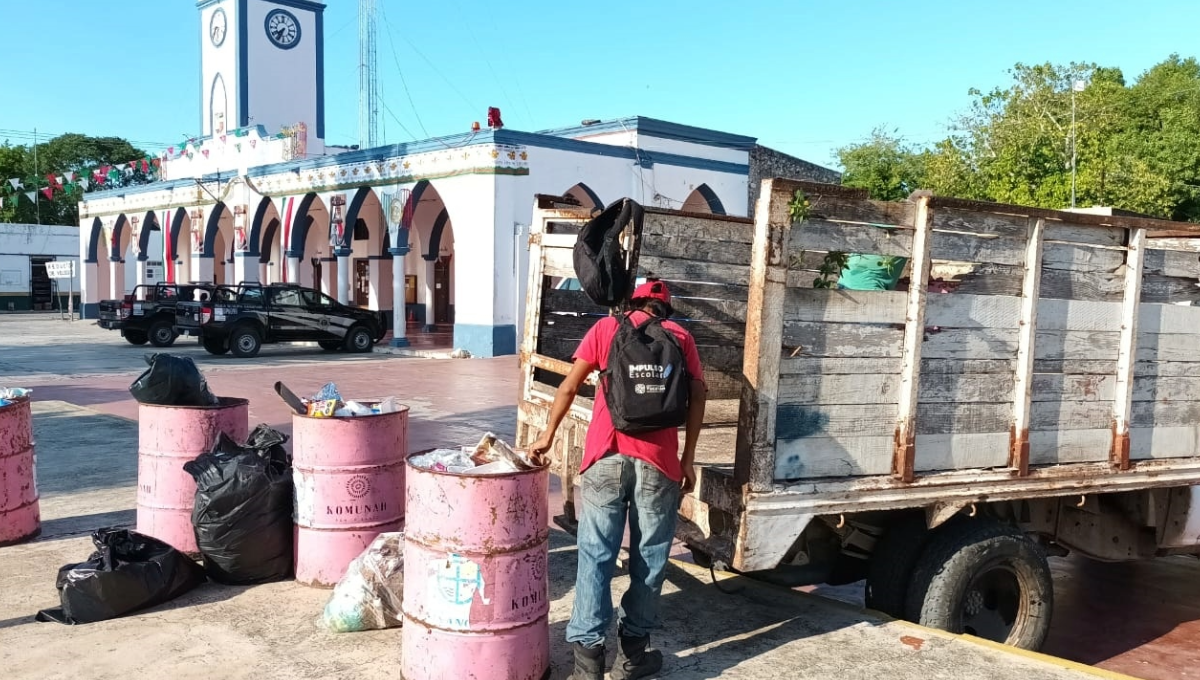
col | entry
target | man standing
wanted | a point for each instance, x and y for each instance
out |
(630, 467)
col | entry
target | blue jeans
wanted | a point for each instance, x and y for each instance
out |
(614, 486)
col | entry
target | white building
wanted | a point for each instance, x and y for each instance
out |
(441, 222)
(24, 251)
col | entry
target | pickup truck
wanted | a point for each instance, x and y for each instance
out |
(1032, 391)
(240, 320)
(148, 313)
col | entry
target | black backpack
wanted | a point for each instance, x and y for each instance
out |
(598, 257)
(646, 382)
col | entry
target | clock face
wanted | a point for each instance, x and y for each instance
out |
(283, 29)
(217, 27)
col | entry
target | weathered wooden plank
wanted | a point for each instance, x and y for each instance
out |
(1127, 349)
(693, 270)
(997, 279)
(914, 337)
(1172, 263)
(1085, 234)
(977, 222)
(706, 291)
(1184, 245)
(818, 366)
(686, 248)
(704, 333)
(573, 301)
(717, 228)
(558, 262)
(754, 460)
(721, 311)
(861, 210)
(851, 238)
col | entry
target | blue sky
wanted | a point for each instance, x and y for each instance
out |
(804, 77)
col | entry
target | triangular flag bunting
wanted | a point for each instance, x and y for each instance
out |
(83, 183)
(61, 179)
(70, 175)
(16, 183)
(205, 152)
(1, 203)
(253, 143)
(49, 191)
(31, 195)
(222, 139)
(170, 151)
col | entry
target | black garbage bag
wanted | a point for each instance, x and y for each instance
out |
(243, 509)
(598, 256)
(128, 572)
(172, 380)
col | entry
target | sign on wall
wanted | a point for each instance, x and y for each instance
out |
(60, 270)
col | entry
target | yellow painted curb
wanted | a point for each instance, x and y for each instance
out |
(1037, 657)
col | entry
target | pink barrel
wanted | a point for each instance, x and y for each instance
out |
(20, 518)
(476, 598)
(168, 437)
(349, 476)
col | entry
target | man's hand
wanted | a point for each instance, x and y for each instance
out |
(689, 479)
(539, 450)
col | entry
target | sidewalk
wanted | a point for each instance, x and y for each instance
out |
(87, 475)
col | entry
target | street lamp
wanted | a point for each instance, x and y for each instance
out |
(1077, 86)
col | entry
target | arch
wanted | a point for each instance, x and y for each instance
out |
(435, 235)
(262, 215)
(356, 204)
(270, 233)
(586, 197)
(302, 220)
(149, 224)
(177, 223)
(219, 218)
(703, 200)
(116, 249)
(94, 241)
(214, 128)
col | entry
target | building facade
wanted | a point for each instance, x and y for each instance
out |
(435, 230)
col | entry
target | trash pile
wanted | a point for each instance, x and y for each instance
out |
(172, 380)
(369, 596)
(8, 395)
(491, 456)
(328, 403)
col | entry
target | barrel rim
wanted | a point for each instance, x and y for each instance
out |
(401, 408)
(16, 403)
(464, 475)
(222, 403)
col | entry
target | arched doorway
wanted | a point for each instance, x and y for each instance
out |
(435, 274)
(703, 200)
(98, 261)
(219, 244)
(309, 250)
(265, 241)
(370, 268)
(585, 196)
(179, 246)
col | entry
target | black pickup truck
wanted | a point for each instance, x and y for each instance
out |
(239, 320)
(148, 313)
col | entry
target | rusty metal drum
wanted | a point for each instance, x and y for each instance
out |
(349, 475)
(20, 517)
(168, 437)
(476, 598)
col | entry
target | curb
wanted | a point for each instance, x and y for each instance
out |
(412, 353)
(1036, 657)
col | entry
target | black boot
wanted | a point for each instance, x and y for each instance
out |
(589, 663)
(634, 661)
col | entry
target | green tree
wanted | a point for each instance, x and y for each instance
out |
(887, 167)
(67, 153)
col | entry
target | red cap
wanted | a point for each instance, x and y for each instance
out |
(654, 290)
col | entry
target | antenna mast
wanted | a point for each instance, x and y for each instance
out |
(368, 83)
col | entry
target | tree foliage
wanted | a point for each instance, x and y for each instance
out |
(1137, 146)
(67, 153)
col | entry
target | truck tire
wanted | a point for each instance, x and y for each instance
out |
(359, 339)
(214, 346)
(162, 334)
(892, 563)
(245, 342)
(985, 579)
(136, 337)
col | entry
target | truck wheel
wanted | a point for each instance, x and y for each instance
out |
(984, 579)
(892, 563)
(136, 337)
(330, 345)
(213, 346)
(162, 334)
(245, 343)
(359, 339)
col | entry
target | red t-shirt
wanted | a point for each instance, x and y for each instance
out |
(659, 448)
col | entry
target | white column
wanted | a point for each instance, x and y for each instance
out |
(141, 278)
(343, 278)
(429, 293)
(202, 269)
(116, 280)
(399, 313)
(293, 272)
(263, 273)
(246, 268)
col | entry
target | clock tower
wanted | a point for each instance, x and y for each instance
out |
(262, 63)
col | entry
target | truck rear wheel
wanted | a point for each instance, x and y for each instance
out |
(162, 334)
(892, 563)
(245, 342)
(136, 337)
(984, 579)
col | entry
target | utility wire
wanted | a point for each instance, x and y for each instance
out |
(403, 80)
(432, 65)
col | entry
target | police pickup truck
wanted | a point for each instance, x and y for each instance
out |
(148, 313)
(240, 320)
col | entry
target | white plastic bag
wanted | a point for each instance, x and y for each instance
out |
(369, 596)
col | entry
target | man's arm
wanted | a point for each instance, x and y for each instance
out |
(563, 398)
(697, 400)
